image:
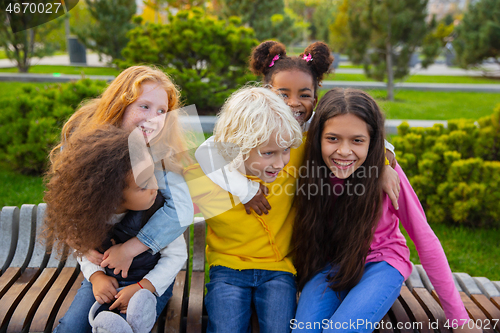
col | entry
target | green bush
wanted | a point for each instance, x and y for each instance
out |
(205, 56)
(455, 171)
(31, 121)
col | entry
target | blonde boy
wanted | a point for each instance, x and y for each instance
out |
(249, 255)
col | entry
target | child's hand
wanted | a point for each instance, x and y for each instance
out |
(259, 202)
(118, 257)
(123, 297)
(94, 257)
(391, 158)
(390, 184)
(103, 287)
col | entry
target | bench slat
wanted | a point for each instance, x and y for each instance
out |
(401, 316)
(9, 231)
(47, 310)
(415, 310)
(26, 309)
(176, 308)
(496, 300)
(173, 318)
(194, 322)
(486, 306)
(195, 304)
(39, 257)
(432, 308)
(15, 293)
(474, 311)
(67, 300)
(8, 278)
(26, 239)
(486, 287)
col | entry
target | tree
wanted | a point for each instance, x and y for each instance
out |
(22, 46)
(382, 35)
(478, 35)
(269, 19)
(319, 14)
(435, 40)
(108, 36)
(205, 56)
(79, 18)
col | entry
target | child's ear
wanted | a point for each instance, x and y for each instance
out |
(315, 101)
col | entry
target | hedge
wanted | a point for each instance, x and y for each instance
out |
(455, 171)
(31, 121)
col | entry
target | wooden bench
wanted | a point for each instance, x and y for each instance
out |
(37, 287)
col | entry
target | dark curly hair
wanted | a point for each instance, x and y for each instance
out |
(87, 187)
(263, 55)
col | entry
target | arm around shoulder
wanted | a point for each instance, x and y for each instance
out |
(170, 221)
(217, 170)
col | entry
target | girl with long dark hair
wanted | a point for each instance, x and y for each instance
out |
(350, 255)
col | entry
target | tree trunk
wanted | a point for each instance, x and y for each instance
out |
(390, 74)
(388, 61)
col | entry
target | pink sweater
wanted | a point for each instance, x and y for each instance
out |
(389, 245)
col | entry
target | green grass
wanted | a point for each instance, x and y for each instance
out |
(350, 66)
(418, 79)
(16, 189)
(431, 105)
(473, 251)
(49, 69)
(437, 105)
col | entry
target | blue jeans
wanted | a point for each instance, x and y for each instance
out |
(76, 318)
(357, 310)
(231, 294)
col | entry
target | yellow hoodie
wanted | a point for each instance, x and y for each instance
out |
(241, 241)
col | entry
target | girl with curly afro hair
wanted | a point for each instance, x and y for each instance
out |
(96, 198)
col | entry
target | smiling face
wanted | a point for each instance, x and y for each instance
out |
(267, 160)
(148, 111)
(344, 144)
(297, 89)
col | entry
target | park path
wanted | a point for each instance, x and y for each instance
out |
(58, 60)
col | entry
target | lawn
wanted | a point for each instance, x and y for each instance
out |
(48, 69)
(473, 251)
(17, 189)
(418, 79)
(430, 105)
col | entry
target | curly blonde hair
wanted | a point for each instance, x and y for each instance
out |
(110, 108)
(86, 188)
(248, 119)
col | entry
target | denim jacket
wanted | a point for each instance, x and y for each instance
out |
(170, 221)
